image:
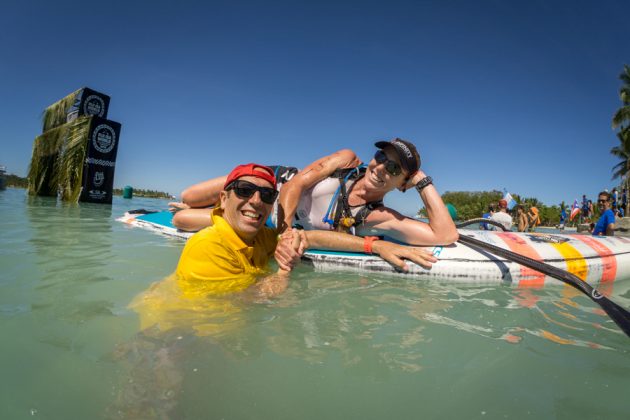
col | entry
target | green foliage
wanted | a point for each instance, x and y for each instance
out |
(470, 204)
(12, 180)
(473, 204)
(144, 193)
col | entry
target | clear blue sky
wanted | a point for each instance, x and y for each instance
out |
(495, 94)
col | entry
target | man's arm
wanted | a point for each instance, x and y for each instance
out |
(307, 178)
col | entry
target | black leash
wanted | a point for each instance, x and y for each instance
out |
(619, 315)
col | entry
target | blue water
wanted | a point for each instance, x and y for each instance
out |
(333, 346)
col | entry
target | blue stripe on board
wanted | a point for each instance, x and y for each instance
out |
(164, 218)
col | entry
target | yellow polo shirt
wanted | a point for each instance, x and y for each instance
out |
(215, 260)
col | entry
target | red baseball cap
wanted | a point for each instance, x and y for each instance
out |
(251, 169)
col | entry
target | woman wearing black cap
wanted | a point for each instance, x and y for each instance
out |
(358, 206)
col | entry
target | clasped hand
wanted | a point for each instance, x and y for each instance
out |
(291, 246)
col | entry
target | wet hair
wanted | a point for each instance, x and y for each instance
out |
(604, 193)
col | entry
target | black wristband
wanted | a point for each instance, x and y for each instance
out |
(427, 180)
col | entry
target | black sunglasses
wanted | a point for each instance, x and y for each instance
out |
(246, 189)
(390, 166)
(602, 201)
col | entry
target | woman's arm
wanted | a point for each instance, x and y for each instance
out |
(307, 178)
(204, 194)
(439, 231)
(394, 254)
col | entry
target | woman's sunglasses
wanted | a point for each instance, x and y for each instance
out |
(246, 189)
(390, 166)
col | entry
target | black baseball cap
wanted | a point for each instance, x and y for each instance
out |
(409, 157)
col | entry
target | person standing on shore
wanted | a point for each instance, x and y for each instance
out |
(502, 216)
(534, 218)
(488, 215)
(563, 216)
(584, 215)
(605, 226)
(522, 219)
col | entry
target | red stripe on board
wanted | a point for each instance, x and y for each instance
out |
(609, 262)
(531, 278)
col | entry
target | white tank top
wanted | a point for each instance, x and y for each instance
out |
(314, 204)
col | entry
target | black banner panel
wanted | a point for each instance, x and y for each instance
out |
(100, 161)
(89, 102)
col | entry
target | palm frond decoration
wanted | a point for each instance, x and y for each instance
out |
(58, 160)
(46, 152)
(56, 114)
(68, 170)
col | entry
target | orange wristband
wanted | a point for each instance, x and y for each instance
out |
(367, 243)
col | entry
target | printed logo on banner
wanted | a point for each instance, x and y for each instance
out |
(99, 177)
(104, 138)
(97, 194)
(94, 105)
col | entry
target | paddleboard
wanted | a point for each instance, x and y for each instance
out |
(597, 260)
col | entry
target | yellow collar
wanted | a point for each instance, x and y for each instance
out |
(227, 232)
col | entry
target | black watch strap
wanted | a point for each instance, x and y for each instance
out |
(427, 180)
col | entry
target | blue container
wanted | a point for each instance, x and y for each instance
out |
(128, 192)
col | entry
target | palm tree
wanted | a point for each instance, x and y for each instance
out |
(621, 120)
(622, 152)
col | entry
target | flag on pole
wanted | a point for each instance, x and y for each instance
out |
(511, 202)
(575, 210)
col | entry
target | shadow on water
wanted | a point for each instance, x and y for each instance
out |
(72, 244)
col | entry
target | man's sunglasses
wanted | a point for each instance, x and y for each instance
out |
(602, 201)
(246, 189)
(390, 166)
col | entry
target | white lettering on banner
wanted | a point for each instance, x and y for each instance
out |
(104, 138)
(100, 162)
(94, 105)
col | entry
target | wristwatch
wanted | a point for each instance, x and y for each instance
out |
(427, 180)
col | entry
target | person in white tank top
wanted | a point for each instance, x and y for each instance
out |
(396, 165)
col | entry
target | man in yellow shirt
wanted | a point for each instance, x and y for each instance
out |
(228, 255)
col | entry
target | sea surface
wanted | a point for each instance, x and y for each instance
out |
(332, 346)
